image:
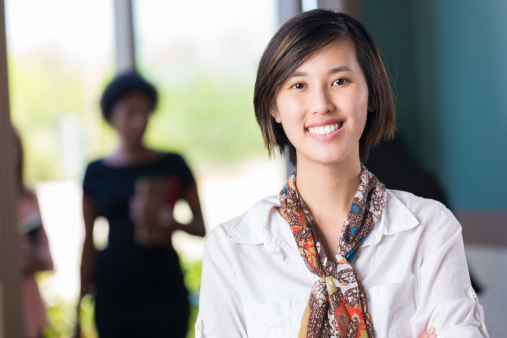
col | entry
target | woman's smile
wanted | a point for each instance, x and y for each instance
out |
(326, 130)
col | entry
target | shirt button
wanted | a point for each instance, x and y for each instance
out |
(474, 295)
(198, 326)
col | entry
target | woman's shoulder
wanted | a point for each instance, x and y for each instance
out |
(94, 169)
(429, 213)
(172, 159)
(415, 203)
(29, 194)
(170, 155)
(95, 164)
(29, 198)
(248, 228)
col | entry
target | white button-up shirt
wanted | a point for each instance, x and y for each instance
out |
(412, 265)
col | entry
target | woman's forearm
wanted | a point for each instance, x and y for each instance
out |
(196, 227)
(87, 266)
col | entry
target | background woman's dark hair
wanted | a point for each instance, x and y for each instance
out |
(124, 84)
(294, 43)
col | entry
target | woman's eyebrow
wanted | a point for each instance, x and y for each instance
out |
(298, 73)
(339, 70)
(331, 71)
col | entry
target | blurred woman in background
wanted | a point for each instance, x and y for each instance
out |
(137, 280)
(34, 246)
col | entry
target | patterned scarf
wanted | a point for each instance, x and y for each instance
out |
(338, 305)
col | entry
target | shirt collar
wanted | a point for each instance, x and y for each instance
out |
(395, 218)
(248, 230)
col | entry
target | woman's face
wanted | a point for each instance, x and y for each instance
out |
(323, 105)
(129, 117)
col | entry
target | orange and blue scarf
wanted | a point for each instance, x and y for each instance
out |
(338, 304)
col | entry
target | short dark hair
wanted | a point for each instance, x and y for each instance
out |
(122, 85)
(294, 43)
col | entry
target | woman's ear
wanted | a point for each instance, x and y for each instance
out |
(274, 112)
(371, 106)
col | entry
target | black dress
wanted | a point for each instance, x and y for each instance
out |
(139, 290)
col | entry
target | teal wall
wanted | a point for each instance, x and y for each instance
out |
(448, 62)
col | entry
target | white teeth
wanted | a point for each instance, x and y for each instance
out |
(324, 130)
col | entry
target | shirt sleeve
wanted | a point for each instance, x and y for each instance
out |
(88, 181)
(445, 298)
(184, 172)
(220, 308)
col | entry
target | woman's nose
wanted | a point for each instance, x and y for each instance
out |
(322, 102)
(140, 119)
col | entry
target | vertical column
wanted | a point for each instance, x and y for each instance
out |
(351, 7)
(286, 10)
(125, 49)
(11, 315)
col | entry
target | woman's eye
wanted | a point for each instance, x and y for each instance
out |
(340, 82)
(298, 86)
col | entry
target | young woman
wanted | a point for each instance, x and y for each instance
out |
(138, 284)
(336, 254)
(34, 246)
